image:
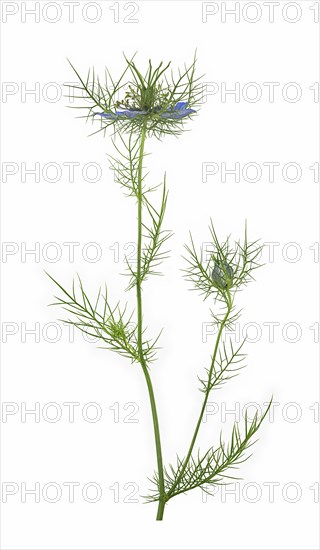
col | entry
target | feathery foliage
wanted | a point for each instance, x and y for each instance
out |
(226, 366)
(110, 325)
(212, 468)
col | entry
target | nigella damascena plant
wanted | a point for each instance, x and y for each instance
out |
(153, 103)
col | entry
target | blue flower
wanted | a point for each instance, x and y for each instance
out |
(179, 111)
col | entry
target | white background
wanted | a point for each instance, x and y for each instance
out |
(38, 128)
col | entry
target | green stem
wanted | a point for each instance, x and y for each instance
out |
(162, 496)
(203, 408)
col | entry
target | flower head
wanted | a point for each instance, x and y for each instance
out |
(155, 98)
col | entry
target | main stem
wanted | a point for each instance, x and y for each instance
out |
(162, 497)
(203, 408)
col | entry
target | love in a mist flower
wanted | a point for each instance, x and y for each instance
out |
(180, 110)
(156, 101)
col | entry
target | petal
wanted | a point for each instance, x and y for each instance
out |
(171, 115)
(131, 113)
(180, 105)
(187, 112)
(181, 113)
(111, 116)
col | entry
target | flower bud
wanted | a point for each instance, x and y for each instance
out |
(222, 276)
